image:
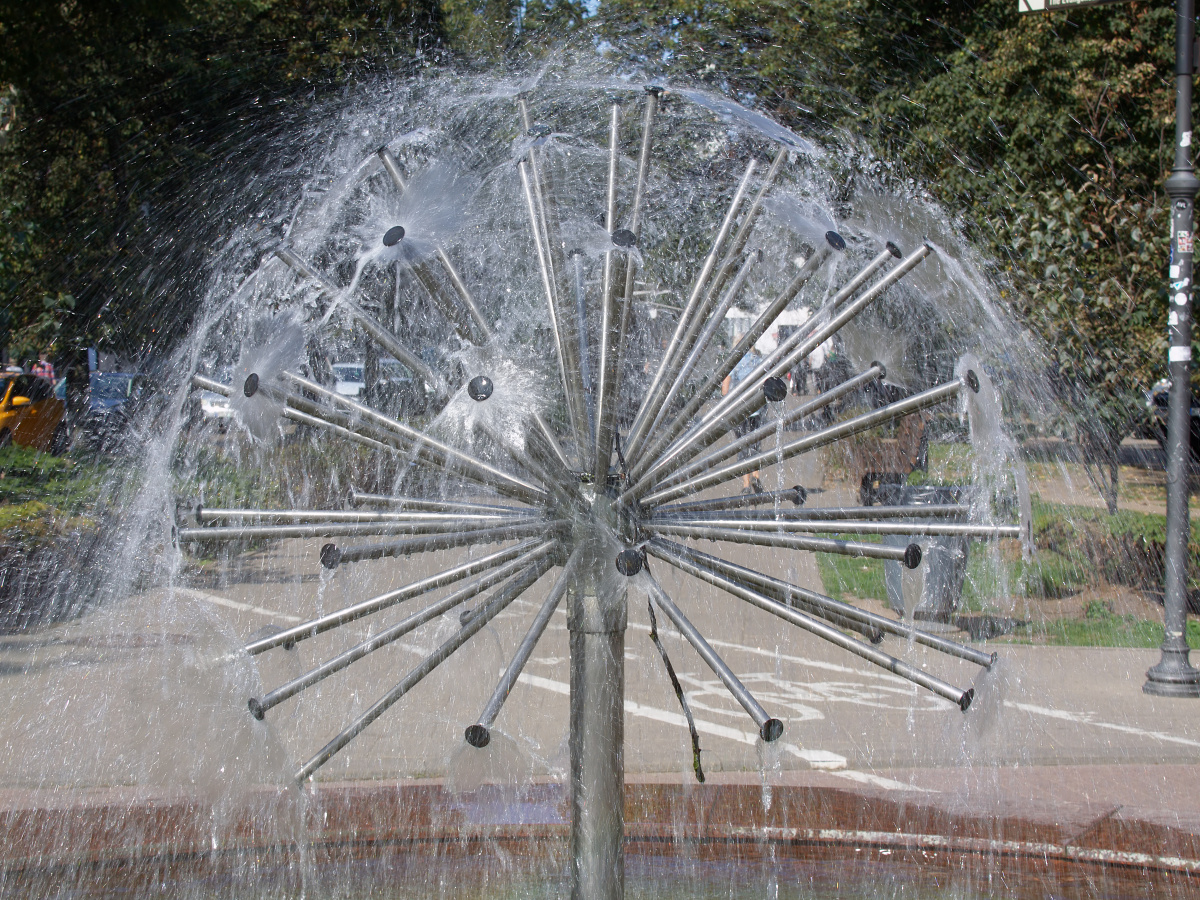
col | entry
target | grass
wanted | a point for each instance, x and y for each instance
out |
(41, 494)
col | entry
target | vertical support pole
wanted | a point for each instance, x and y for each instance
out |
(610, 325)
(596, 619)
(1174, 676)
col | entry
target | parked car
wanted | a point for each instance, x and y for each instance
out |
(112, 397)
(349, 378)
(30, 413)
(1158, 401)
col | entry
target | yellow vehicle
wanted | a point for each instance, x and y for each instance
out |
(30, 414)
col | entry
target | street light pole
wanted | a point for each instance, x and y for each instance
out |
(1174, 676)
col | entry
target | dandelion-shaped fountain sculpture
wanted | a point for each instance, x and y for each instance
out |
(576, 494)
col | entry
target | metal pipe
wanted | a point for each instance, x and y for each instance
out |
(691, 444)
(1174, 675)
(378, 333)
(259, 707)
(795, 494)
(666, 434)
(610, 327)
(305, 419)
(205, 514)
(833, 636)
(730, 507)
(332, 555)
(581, 333)
(668, 367)
(525, 552)
(502, 598)
(858, 424)
(281, 532)
(910, 555)
(785, 521)
(568, 366)
(477, 469)
(803, 343)
(698, 564)
(723, 273)
(460, 316)
(356, 498)
(769, 729)
(479, 734)
(464, 294)
(715, 321)
(207, 384)
(391, 167)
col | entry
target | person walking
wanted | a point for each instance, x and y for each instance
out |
(43, 368)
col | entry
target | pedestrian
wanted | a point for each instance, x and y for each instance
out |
(764, 346)
(43, 368)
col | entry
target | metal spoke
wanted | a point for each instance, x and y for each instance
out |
(367, 322)
(665, 435)
(497, 602)
(518, 555)
(206, 515)
(693, 443)
(865, 422)
(568, 365)
(448, 523)
(259, 707)
(332, 555)
(426, 446)
(734, 508)
(785, 522)
(800, 344)
(667, 368)
(769, 729)
(358, 498)
(910, 555)
(833, 636)
(479, 734)
(698, 564)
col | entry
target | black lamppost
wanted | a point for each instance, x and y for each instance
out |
(1174, 676)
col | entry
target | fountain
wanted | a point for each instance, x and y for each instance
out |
(562, 436)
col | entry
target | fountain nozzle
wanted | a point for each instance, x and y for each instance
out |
(774, 389)
(250, 388)
(623, 237)
(835, 240)
(331, 556)
(912, 556)
(480, 388)
(771, 730)
(629, 561)
(393, 236)
(478, 736)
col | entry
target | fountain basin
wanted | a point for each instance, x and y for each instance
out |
(417, 836)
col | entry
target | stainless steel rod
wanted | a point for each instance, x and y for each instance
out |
(687, 447)
(568, 366)
(715, 321)
(731, 508)
(834, 636)
(910, 555)
(528, 550)
(332, 555)
(795, 494)
(610, 327)
(482, 329)
(392, 167)
(803, 342)
(358, 498)
(584, 345)
(479, 735)
(476, 468)
(303, 418)
(207, 384)
(206, 514)
(502, 598)
(723, 274)
(698, 564)
(337, 529)
(667, 433)
(675, 353)
(826, 526)
(259, 707)
(366, 321)
(458, 315)
(769, 729)
(858, 424)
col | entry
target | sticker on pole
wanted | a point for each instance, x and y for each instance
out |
(1179, 354)
(1046, 5)
(1183, 241)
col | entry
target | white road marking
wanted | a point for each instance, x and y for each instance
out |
(234, 604)
(833, 763)
(1085, 718)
